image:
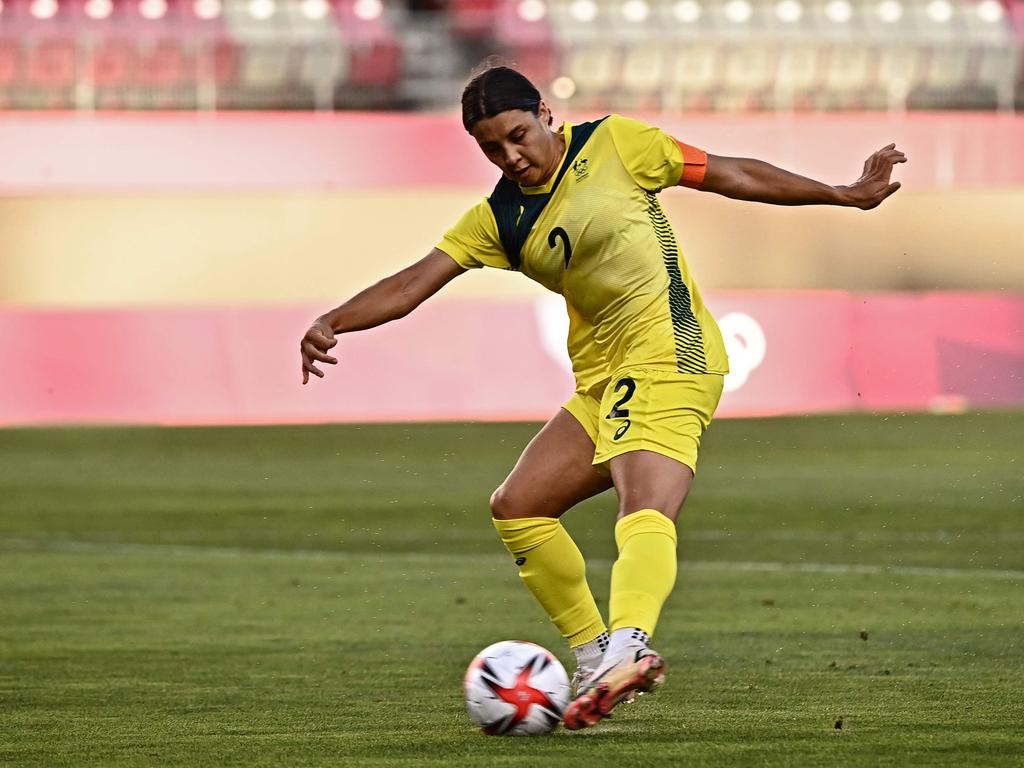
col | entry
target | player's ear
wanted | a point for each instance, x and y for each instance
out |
(544, 114)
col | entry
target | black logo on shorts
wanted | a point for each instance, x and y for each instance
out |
(622, 430)
(520, 560)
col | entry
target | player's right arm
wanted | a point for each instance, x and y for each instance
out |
(391, 298)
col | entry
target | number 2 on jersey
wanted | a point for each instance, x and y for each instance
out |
(560, 234)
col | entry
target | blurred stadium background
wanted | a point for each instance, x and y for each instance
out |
(593, 54)
(194, 168)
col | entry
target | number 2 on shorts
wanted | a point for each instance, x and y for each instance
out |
(618, 412)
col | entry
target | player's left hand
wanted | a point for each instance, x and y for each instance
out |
(313, 347)
(873, 186)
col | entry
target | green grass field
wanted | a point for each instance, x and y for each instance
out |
(310, 596)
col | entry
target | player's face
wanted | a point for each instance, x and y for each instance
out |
(521, 144)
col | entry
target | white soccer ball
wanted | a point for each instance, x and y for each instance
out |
(516, 688)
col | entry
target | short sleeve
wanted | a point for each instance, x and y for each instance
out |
(473, 242)
(653, 158)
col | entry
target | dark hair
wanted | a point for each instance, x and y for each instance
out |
(494, 90)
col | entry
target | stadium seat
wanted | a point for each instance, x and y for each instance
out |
(797, 75)
(323, 64)
(165, 63)
(113, 62)
(749, 69)
(901, 69)
(242, 27)
(375, 56)
(948, 68)
(511, 28)
(473, 18)
(226, 62)
(375, 64)
(51, 63)
(693, 75)
(643, 69)
(540, 63)
(903, 62)
(356, 30)
(264, 66)
(49, 75)
(997, 70)
(944, 75)
(594, 69)
(568, 30)
(649, 30)
(300, 29)
(1017, 25)
(846, 76)
(166, 74)
(10, 61)
(987, 32)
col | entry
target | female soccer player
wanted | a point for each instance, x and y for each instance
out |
(576, 210)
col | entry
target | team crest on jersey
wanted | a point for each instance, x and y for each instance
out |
(580, 169)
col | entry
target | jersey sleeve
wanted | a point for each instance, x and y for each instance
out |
(655, 159)
(473, 242)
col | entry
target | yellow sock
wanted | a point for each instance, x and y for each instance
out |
(644, 574)
(552, 567)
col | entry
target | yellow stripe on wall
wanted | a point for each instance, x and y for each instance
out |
(275, 248)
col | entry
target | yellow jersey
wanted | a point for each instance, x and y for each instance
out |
(596, 234)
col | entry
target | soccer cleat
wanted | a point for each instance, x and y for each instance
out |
(580, 677)
(619, 682)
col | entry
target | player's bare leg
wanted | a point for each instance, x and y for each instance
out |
(554, 473)
(651, 490)
(649, 480)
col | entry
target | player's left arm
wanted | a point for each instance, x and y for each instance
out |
(746, 179)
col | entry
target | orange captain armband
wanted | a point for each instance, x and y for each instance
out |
(695, 165)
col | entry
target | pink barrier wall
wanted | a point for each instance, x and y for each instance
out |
(791, 353)
(47, 153)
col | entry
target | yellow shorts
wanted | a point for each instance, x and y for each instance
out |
(649, 409)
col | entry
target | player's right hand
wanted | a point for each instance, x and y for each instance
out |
(313, 348)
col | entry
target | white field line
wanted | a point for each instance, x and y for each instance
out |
(70, 546)
(877, 537)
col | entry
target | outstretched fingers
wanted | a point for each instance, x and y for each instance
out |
(878, 168)
(887, 156)
(315, 354)
(308, 368)
(313, 349)
(308, 365)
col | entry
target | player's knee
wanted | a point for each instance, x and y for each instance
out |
(504, 504)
